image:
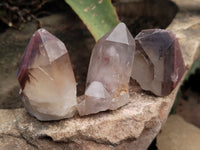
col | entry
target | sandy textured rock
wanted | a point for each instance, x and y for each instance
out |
(131, 127)
(178, 135)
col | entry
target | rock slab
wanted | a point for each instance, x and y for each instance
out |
(132, 127)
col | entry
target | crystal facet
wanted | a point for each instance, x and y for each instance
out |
(158, 63)
(47, 79)
(109, 72)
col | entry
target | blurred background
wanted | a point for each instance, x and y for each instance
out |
(19, 19)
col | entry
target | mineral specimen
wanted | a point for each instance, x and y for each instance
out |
(47, 79)
(109, 72)
(158, 65)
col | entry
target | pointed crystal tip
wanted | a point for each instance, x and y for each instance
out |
(158, 64)
(96, 89)
(109, 72)
(120, 34)
(46, 78)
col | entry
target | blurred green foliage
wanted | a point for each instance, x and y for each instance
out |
(98, 15)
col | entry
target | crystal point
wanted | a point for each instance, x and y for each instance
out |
(120, 34)
(109, 72)
(47, 79)
(158, 63)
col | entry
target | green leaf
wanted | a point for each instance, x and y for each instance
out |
(98, 15)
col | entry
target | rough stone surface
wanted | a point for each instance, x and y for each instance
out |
(47, 79)
(109, 72)
(178, 135)
(158, 64)
(131, 127)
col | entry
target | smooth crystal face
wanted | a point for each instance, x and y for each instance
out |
(47, 79)
(109, 72)
(158, 63)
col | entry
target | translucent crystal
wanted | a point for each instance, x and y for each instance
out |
(158, 63)
(47, 79)
(109, 72)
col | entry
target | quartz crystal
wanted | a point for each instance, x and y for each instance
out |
(158, 63)
(109, 72)
(46, 77)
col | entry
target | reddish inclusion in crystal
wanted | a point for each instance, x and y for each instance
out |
(46, 78)
(109, 72)
(28, 57)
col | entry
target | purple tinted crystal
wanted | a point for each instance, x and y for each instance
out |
(158, 63)
(109, 72)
